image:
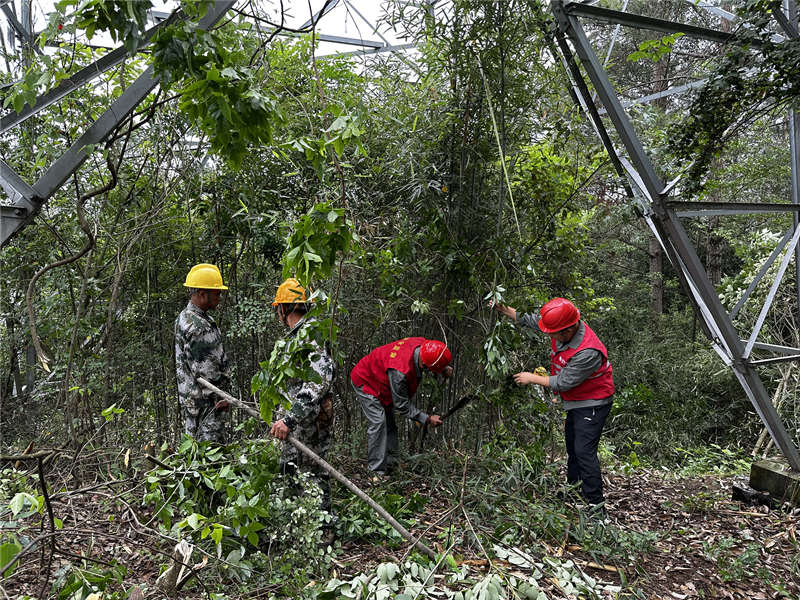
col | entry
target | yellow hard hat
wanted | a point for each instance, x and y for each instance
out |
(205, 277)
(290, 291)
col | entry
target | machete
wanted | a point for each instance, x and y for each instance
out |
(459, 405)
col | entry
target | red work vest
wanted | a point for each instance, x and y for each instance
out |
(371, 370)
(598, 385)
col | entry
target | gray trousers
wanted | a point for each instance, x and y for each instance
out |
(205, 424)
(381, 432)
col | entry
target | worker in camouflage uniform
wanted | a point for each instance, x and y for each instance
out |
(199, 353)
(310, 417)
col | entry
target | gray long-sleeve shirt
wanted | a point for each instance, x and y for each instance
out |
(400, 397)
(578, 369)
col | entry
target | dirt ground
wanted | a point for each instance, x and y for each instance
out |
(705, 545)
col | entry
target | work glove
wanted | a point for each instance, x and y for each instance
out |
(540, 371)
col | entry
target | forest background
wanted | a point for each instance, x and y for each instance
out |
(407, 190)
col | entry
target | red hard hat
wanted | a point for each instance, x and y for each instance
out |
(435, 355)
(558, 314)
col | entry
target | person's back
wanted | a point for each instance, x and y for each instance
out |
(199, 352)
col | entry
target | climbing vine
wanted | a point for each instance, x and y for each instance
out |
(757, 73)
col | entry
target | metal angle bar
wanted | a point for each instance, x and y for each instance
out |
(10, 219)
(671, 185)
(608, 96)
(789, 27)
(695, 267)
(662, 94)
(614, 37)
(692, 271)
(701, 209)
(17, 189)
(759, 398)
(650, 180)
(747, 376)
(26, 36)
(363, 18)
(715, 10)
(709, 327)
(689, 214)
(606, 15)
(712, 328)
(372, 51)
(585, 102)
(73, 158)
(349, 40)
(771, 295)
(669, 92)
(761, 272)
(776, 359)
(319, 14)
(776, 348)
(77, 80)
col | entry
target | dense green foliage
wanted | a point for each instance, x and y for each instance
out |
(406, 191)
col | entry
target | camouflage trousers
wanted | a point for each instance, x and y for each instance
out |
(317, 434)
(204, 423)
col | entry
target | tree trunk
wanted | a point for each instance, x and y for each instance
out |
(656, 277)
(714, 244)
(655, 251)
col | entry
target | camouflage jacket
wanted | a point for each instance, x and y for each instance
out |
(198, 353)
(306, 396)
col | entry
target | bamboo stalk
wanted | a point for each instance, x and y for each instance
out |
(416, 542)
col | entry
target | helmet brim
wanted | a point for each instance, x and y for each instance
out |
(545, 329)
(216, 287)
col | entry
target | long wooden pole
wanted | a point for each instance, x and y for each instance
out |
(416, 542)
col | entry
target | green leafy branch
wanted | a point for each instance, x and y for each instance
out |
(312, 250)
(345, 130)
(290, 359)
(220, 97)
(654, 49)
(315, 243)
(124, 20)
(741, 85)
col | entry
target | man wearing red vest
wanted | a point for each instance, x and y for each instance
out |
(388, 377)
(581, 374)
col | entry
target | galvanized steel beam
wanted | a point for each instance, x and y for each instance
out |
(789, 24)
(319, 14)
(762, 315)
(614, 17)
(707, 209)
(761, 272)
(777, 348)
(663, 218)
(73, 158)
(76, 81)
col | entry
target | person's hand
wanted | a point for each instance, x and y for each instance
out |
(279, 430)
(434, 420)
(524, 378)
(222, 406)
(508, 311)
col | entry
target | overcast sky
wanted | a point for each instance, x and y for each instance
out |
(349, 18)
